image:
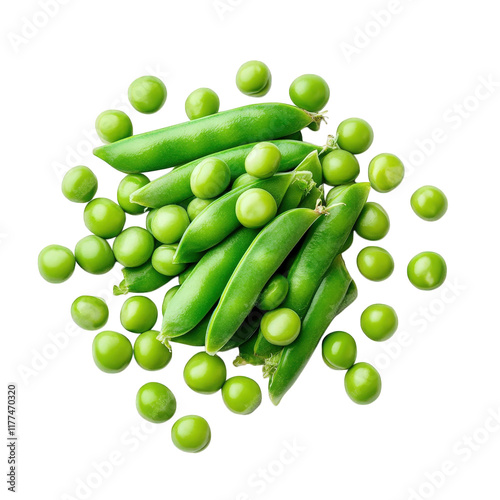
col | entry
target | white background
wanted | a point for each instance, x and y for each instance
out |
(419, 69)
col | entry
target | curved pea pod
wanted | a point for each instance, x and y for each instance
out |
(219, 219)
(322, 244)
(205, 284)
(141, 279)
(336, 291)
(185, 142)
(260, 262)
(175, 186)
(311, 199)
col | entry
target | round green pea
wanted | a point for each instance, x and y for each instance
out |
(243, 180)
(168, 297)
(169, 223)
(339, 167)
(149, 218)
(127, 186)
(375, 263)
(112, 351)
(310, 92)
(150, 353)
(379, 322)
(155, 402)
(429, 203)
(79, 184)
(56, 263)
(94, 255)
(133, 247)
(196, 206)
(263, 161)
(274, 293)
(427, 271)
(255, 208)
(373, 222)
(191, 434)
(354, 135)
(163, 261)
(202, 102)
(104, 218)
(241, 395)
(147, 94)
(254, 79)
(204, 373)
(385, 172)
(339, 350)
(138, 314)
(281, 326)
(210, 178)
(89, 313)
(113, 125)
(362, 383)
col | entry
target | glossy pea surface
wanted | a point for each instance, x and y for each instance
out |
(169, 223)
(89, 313)
(354, 135)
(375, 263)
(155, 402)
(94, 255)
(210, 178)
(241, 395)
(363, 383)
(263, 161)
(427, 270)
(243, 180)
(127, 186)
(79, 184)
(147, 94)
(373, 222)
(150, 353)
(429, 203)
(56, 263)
(196, 206)
(191, 434)
(133, 247)
(113, 125)
(163, 261)
(309, 92)
(339, 350)
(379, 322)
(138, 314)
(255, 208)
(202, 102)
(281, 326)
(273, 294)
(104, 218)
(168, 297)
(253, 78)
(204, 373)
(339, 167)
(386, 172)
(112, 351)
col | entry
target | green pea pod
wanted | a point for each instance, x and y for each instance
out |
(260, 262)
(322, 244)
(179, 144)
(219, 219)
(205, 284)
(311, 199)
(332, 294)
(140, 279)
(175, 186)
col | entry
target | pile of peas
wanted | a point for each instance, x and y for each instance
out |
(232, 223)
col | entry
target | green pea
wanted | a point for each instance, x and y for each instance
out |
(133, 247)
(427, 270)
(79, 184)
(127, 186)
(56, 263)
(379, 322)
(339, 350)
(168, 297)
(281, 326)
(255, 208)
(191, 434)
(210, 178)
(94, 255)
(204, 373)
(112, 351)
(150, 353)
(155, 402)
(89, 313)
(348, 243)
(169, 223)
(339, 167)
(373, 222)
(113, 125)
(149, 218)
(273, 294)
(243, 180)
(375, 263)
(362, 383)
(104, 218)
(429, 203)
(202, 102)
(310, 92)
(254, 79)
(196, 206)
(385, 172)
(138, 314)
(147, 94)
(263, 161)
(163, 261)
(354, 135)
(241, 395)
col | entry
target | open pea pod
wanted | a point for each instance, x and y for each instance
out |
(141, 279)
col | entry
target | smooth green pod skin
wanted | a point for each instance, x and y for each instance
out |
(175, 186)
(140, 279)
(336, 289)
(185, 142)
(322, 244)
(219, 219)
(205, 284)
(260, 262)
